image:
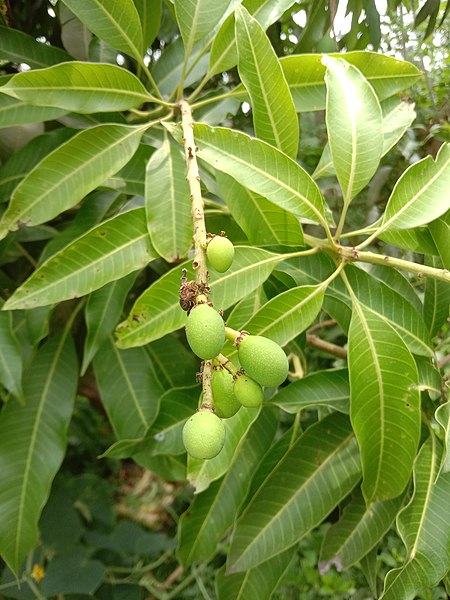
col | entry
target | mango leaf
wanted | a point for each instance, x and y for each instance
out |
(305, 74)
(16, 46)
(436, 301)
(223, 52)
(150, 12)
(102, 312)
(288, 314)
(40, 425)
(424, 528)
(114, 21)
(264, 223)
(442, 416)
(397, 117)
(440, 231)
(68, 173)
(324, 388)
(15, 112)
(10, 357)
(129, 389)
(359, 529)
(260, 167)
(79, 87)
(108, 252)
(201, 473)
(167, 204)
(197, 18)
(274, 117)
(213, 512)
(259, 582)
(354, 125)
(418, 239)
(168, 69)
(173, 361)
(384, 403)
(316, 473)
(164, 436)
(157, 311)
(245, 309)
(420, 195)
(21, 162)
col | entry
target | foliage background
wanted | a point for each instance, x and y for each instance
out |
(109, 527)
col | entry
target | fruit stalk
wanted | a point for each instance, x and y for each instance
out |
(208, 401)
(193, 179)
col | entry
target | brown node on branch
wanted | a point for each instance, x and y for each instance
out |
(189, 290)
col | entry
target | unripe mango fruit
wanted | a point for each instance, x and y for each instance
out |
(205, 331)
(225, 402)
(220, 253)
(203, 435)
(263, 360)
(247, 391)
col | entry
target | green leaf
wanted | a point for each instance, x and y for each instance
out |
(102, 313)
(168, 69)
(324, 388)
(264, 223)
(305, 75)
(79, 87)
(354, 124)
(245, 309)
(384, 403)
(150, 12)
(10, 357)
(173, 361)
(274, 117)
(201, 473)
(157, 311)
(21, 162)
(259, 582)
(442, 416)
(131, 178)
(259, 167)
(114, 21)
(418, 239)
(223, 52)
(16, 46)
(359, 529)
(316, 473)
(108, 252)
(213, 512)
(421, 193)
(436, 302)
(129, 389)
(397, 117)
(165, 434)
(288, 314)
(167, 204)
(32, 445)
(440, 232)
(68, 173)
(424, 528)
(197, 18)
(15, 112)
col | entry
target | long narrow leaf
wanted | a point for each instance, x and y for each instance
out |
(310, 480)
(70, 172)
(79, 87)
(274, 116)
(385, 404)
(32, 445)
(108, 252)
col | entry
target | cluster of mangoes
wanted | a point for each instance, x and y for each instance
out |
(263, 363)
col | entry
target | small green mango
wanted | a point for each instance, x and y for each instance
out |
(220, 253)
(263, 360)
(205, 331)
(225, 402)
(248, 392)
(203, 435)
